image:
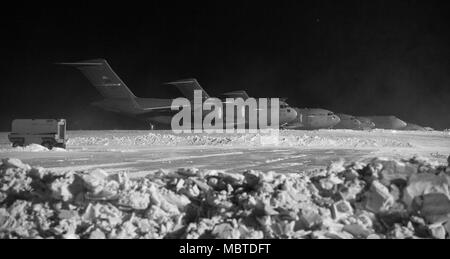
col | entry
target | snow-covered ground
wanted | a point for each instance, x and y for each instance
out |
(145, 151)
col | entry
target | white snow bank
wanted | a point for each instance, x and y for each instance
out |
(33, 148)
(58, 149)
(286, 138)
(381, 199)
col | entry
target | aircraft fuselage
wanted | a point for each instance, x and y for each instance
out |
(144, 110)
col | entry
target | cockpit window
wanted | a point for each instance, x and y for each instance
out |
(330, 114)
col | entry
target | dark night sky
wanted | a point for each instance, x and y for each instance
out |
(358, 57)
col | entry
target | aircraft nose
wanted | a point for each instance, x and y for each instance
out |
(292, 114)
(335, 118)
(401, 124)
(288, 114)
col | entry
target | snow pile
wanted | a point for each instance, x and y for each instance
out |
(381, 199)
(349, 142)
(285, 138)
(58, 149)
(152, 139)
(32, 148)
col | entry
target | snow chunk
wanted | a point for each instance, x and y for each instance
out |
(343, 201)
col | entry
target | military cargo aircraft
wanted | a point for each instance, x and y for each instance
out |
(312, 119)
(287, 114)
(366, 123)
(387, 122)
(307, 119)
(118, 97)
(415, 127)
(348, 122)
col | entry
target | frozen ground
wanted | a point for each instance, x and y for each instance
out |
(140, 152)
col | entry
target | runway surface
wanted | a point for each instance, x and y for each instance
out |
(141, 152)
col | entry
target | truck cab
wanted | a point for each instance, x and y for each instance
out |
(46, 132)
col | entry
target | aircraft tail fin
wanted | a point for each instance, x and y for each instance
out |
(101, 75)
(187, 87)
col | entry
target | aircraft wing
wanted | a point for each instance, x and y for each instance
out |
(236, 94)
(187, 87)
(157, 110)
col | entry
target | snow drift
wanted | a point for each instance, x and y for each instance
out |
(286, 138)
(381, 199)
